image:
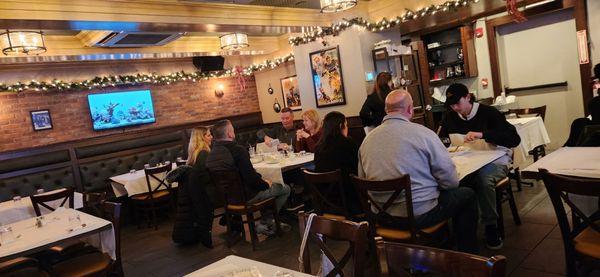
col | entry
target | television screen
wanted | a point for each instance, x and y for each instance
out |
(121, 109)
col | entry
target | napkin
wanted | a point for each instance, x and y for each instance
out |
(478, 144)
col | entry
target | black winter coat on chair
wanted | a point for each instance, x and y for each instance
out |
(195, 210)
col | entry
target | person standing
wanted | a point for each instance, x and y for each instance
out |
(477, 121)
(373, 110)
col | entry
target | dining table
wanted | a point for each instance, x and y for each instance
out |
(22, 208)
(233, 265)
(571, 161)
(134, 182)
(272, 166)
(468, 161)
(33, 235)
(533, 133)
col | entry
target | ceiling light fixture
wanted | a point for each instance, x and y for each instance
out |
(234, 41)
(26, 42)
(332, 6)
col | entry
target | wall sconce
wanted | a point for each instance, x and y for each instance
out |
(219, 91)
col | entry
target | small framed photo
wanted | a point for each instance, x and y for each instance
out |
(291, 93)
(41, 120)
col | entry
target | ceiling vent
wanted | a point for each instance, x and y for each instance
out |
(126, 39)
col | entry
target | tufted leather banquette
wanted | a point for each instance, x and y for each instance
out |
(87, 164)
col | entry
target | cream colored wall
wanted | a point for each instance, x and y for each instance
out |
(266, 100)
(544, 50)
(593, 7)
(355, 53)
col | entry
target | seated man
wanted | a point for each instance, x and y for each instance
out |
(478, 121)
(285, 133)
(398, 147)
(227, 155)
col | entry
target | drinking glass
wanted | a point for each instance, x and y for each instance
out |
(446, 142)
(39, 191)
(146, 165)
(17, 199)
(74, 218)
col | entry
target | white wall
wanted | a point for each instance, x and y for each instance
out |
(540, 51)
(355, 54)
(593, 7)
(266, 100)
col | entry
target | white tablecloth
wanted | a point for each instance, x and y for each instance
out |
(572, 161)
(13, 211)
(467, 162)
(274, 172)
(232, 263)
(56, 228)
(134, 183)
(532, 132)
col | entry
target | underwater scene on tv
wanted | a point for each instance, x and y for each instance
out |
(120, 109)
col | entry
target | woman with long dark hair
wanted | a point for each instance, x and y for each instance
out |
(335, 150)
(195, 211)
(373, 110)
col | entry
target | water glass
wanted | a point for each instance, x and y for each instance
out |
(39, 191)
(447, 142)
(17, 199)
(146, 165)
(7, 235)
(132, 171)
(74, 218)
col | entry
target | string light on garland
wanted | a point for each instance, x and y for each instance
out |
(140, 79)
(384, 24)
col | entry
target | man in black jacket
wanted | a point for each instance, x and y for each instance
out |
(477, 121)
(228, 155)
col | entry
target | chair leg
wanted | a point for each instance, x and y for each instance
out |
(513, 206)
(276, 217)
(252, 228)
(500, 222)
(517, 176)
(228, 222)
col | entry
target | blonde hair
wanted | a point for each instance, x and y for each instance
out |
(313, 116)
(197, 144)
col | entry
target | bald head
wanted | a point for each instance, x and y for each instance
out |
(399, 102)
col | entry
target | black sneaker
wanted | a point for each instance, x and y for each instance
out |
(492, 240)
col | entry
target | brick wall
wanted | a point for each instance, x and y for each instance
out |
(177, 103)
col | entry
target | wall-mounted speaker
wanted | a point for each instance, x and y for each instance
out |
(209, 63)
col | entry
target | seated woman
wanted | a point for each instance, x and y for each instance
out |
(307, 138)
(335, 150)
(579, 124)
(195, 211)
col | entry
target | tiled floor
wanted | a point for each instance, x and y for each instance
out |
(532, 249)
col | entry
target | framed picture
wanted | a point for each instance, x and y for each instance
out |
(291, 93)
(327, 78)
(41, 120)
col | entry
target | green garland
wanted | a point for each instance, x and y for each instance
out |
(384, 24)
(138, 79)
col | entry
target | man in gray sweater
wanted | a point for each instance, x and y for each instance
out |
(399, 147)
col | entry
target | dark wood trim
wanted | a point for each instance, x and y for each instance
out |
(492, 24)
(585, 70)
(468, 44)
(552, 85)
(423, 65)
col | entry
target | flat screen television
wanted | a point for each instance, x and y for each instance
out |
(121, 109)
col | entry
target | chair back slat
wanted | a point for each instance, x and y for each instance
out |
(558, 187)
(538, 111)
(229, 184)
(326, 188)
(356, 234)
(152, 174)
(66, 194)
(382, 216)
(399, 259)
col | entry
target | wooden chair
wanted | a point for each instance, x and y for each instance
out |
(229, 183)
(581, 240)
(22, 266)
(156, 198)
(399, 259)
(97, 263)
(538, 151)
(356, 234)
(325, 188)
(504, 193)
(408, 232)
(67, 194)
